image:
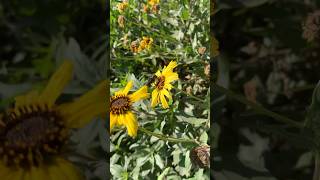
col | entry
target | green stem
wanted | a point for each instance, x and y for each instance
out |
(316, 172)
(168, 138)
(257, 107)
(192, 96)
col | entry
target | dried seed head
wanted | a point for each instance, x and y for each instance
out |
(311, 26)
(121, 21)
(200, 156)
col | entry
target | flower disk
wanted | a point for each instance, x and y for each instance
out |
(120, 104)
(30, 135)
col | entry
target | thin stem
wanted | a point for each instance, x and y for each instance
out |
(257, 107)
(316, 173)
(168, 138)
(192, 96)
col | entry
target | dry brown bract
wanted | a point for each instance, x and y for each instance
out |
(311, 26)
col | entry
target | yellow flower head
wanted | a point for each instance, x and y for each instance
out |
(122, 6)
(145, 43)
(153, 2)
(121, 108)
(163, 86)
(34, 132)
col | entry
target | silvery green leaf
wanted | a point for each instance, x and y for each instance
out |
(163, 174)
(204, 138)
(159, 161)
(10, 90)
(116, 170)
(192, 120)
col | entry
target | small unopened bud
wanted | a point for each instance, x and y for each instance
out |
(155, 8)
(207, 70)
(202, 50)
(134, 46)
(200, 156)
(145, 8)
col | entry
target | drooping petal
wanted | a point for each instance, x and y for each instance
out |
(57, 83)
(131, 124)
(154, 100)
(163, 101)
(142, 93)
(113, 121)
(167, 93)
(169, 68)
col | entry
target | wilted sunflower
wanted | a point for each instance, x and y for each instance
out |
(121, 108)
(122, 6)
(163, 86)
(34, 133)
(145, 43)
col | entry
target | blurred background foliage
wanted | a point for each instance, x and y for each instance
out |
(36, 36)
(180, 32)
(269, 53)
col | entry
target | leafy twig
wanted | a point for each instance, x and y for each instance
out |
(257, 107)
(168, 138)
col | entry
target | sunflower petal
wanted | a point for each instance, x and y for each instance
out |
(158, 73)
(163, 101)
(127, 88)
(55, 172)
(167, 86)
(142, 93)
(154, 99)
(113, 121)
(57, 83)
(169, 68)
(97, 94)
(84, 116)
(167, 93)
(131, 124)
(171, 77)
(70, 171)
(36, 173)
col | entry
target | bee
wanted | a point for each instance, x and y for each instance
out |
(151, 79)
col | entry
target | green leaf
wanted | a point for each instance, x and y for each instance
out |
(313, 116)
(185, 14)
(204, 137)
(192, 120)
(163, 174)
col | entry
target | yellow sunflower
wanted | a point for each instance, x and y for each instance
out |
(34, 133)
(121, 108)
(153, 2)
(163, 86)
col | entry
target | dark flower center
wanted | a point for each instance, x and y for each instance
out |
(120, 104)
(31, 136)
(160, 82)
